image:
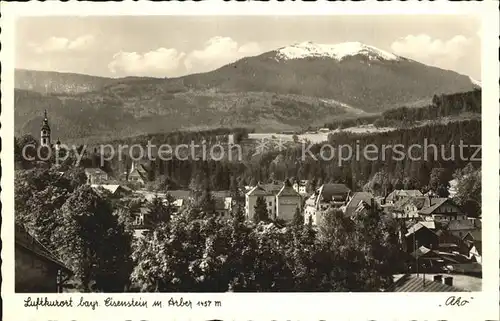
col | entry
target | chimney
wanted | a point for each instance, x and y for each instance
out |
(448, 280)
(438, 278)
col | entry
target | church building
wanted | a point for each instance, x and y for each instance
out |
(45, 133)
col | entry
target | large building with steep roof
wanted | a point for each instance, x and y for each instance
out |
(442, 209)
(327, 197)
(281, 200)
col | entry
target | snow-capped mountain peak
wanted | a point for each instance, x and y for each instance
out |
(334, 51)
(475, 82)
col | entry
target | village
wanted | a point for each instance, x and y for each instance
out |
(436, 234)
(438, 237)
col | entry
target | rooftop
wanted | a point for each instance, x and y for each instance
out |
(111, 187)
(416, 227)
(25, 240)
(355, 200)
(94, 171)
(458, 225)
(476, 235)
(421, 283)
(435, 202)
(265, 190)
(287, 191)
(328, 192)
(404, 193)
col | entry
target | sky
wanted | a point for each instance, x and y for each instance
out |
(172, 46)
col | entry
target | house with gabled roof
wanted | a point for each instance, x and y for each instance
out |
(324, 199)
(399, 194)
(137, 174)
(287, 202)
(461, 228)
(408, 207)
(354, 200)
(280, 200)
(115, 190)
(96, 176)
(472, 236)
(442, 210)
(418, 235)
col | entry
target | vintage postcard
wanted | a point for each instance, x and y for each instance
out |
(250, 161)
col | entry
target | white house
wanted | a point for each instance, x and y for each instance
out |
(281, 201)
(287, 202)
(96, 176)
(266, 191)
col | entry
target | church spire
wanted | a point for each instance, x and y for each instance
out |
(45, 131)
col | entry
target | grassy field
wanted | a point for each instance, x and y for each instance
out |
(319, 137)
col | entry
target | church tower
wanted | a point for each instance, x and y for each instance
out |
(45, 131)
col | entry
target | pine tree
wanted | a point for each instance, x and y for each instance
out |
(261, 213)
(468, 188)
(206, 201)
(298, 219)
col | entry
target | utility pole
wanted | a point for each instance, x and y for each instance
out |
(416, 254)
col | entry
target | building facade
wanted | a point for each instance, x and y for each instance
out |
(281, 201)
(137, 174)
(287, 202)
(326, 198)
(442, 210)
(96, 176)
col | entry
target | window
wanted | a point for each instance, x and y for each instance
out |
(270, 203)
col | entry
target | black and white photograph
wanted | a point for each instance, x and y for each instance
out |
(216, 154)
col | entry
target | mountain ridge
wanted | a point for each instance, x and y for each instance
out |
(259, 91)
